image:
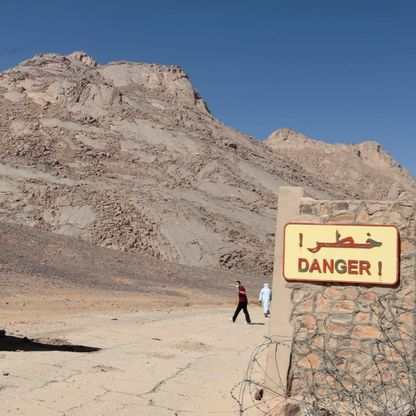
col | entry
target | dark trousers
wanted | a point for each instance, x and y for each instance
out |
(243, 306)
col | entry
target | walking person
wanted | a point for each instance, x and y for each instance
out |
(242, 302)
(265, 297)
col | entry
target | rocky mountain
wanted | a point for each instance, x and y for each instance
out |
(128, 156)
(363, 170)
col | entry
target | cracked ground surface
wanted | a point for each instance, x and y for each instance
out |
(150, 362)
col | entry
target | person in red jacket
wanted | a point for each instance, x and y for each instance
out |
(242, 302)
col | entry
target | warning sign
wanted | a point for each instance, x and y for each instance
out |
(363, 254)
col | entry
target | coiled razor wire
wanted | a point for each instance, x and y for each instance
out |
(391, 358)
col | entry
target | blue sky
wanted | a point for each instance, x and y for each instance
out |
(336, 70)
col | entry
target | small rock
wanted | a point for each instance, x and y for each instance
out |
(259, 394)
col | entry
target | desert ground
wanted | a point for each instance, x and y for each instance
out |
(92, 331)
(89, 354)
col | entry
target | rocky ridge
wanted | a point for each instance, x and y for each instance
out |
(128, 156)
(363, 170)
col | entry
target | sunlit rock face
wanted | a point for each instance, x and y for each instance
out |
(127, 155)
(363, 170)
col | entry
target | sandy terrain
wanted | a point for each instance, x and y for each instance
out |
(93, 331)
(91, 353)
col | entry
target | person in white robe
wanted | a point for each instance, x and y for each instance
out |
(265, 297)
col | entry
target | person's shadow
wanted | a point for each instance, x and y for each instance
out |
(12, 343)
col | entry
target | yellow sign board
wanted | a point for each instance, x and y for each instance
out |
(343, 253)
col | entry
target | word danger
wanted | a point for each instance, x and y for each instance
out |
(340, 266)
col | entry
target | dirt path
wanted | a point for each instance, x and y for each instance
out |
(165, 359)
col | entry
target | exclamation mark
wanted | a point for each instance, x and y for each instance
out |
(380, 266)
(300, 239)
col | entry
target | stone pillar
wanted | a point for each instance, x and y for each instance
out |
(276, 372)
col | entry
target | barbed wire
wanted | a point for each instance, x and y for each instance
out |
(376, 380)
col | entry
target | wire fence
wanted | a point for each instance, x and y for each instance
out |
(377, 379)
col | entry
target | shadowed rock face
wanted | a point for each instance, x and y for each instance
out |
(128, 156)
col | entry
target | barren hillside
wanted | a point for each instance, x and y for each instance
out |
(128, 156)
(34, 261)
(363, 170)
